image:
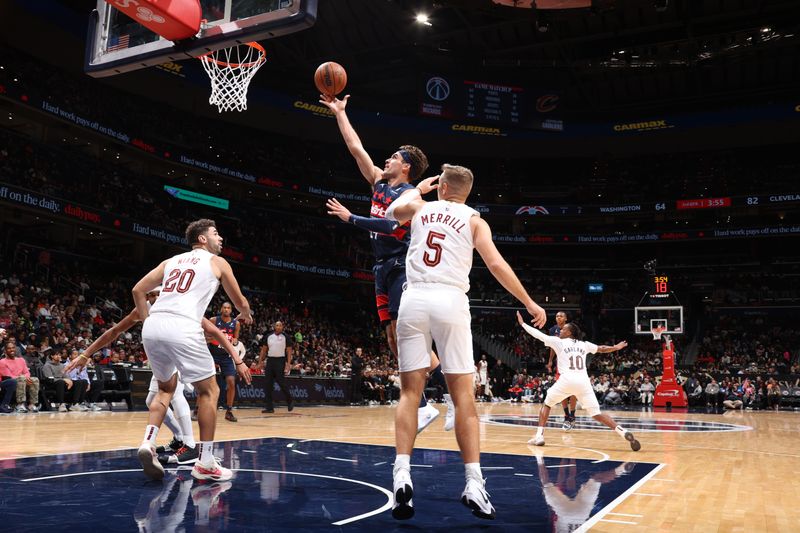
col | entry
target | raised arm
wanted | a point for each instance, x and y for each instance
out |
(608, 349)
(105, 339)
(231, 287)
(548, 340)
(500, 269)
(151, 280)
(368, 169)
(215, 333)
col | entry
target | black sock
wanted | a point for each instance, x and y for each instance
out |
(423, 401)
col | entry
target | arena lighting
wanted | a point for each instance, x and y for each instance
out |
(422, 18)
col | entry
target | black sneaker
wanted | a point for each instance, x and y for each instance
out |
(229, 416)
(268, 410)
(635, 445)
(290, 406)
(184, 456)
(172, 447)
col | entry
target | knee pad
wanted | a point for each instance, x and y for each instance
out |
(149, 400)
(180, 406)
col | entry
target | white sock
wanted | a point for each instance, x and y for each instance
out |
(185, 423)
(621, 430)
(402, 462)
(150, 434)
(206, 453)
(473, 471)
(540, 431)
(447, 398)
(172, 423)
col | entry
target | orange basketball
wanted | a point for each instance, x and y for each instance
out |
(330, 78)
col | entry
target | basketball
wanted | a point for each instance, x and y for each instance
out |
(330, 78)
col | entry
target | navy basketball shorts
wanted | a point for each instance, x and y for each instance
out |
(390, 276)
(223, 359)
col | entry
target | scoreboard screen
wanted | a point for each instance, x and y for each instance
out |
(661, 286)
(489, 103)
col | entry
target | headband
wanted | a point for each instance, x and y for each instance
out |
(406, 157)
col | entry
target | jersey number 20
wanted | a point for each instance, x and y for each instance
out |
(179, 280)
(433, 259)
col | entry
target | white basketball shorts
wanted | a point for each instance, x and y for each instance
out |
(172, 343)
(580, 388)
(440, 313)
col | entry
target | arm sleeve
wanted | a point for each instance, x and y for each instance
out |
(378, 225)
(402, 201)
(590, 347)
(548, 340)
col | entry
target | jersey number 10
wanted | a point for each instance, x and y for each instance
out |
(575, 362)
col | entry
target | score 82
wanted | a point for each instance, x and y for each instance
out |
(752, 200)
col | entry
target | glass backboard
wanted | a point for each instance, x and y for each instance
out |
(647, 317)
(117, 44)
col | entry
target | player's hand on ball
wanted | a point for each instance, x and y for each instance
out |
(333, 103)
(428, 184)
(539, 316)
(337, 209)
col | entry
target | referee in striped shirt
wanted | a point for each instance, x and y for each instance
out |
(276, 351)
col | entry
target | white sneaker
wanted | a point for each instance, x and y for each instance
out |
(149, 459)
(426, 415)
(450, 416)
(476, 498)
(62, 408)
(33, 408)
(83, 407)
(402, 507)
(21, 409)
(95, 407)
(212, 472)
(538, 440)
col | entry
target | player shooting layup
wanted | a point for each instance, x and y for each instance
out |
(389, 239)
(173, 339)
(574, 381)
(435, 307)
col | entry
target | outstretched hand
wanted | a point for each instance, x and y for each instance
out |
(333, 103)
(621, 345)
(246, 318)
(244, 373)
(428, 184)
(77, 363)
(335, 208)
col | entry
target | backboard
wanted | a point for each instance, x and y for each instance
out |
(646, 318)
(117, 44)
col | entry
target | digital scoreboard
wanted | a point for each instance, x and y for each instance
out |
(660, 287)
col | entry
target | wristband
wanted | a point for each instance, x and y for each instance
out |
(240, 363)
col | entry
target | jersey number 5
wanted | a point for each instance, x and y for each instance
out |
(179, 280)
(433, 259)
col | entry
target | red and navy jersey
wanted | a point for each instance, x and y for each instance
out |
(395, 244)
(228, 328)
(555, 331)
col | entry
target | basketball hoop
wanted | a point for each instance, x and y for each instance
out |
(231, 70)
(657, 332)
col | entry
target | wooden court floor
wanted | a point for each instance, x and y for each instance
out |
(746, 480)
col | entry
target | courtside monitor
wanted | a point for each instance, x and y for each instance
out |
(117, 43)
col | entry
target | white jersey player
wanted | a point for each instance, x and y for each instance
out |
(574, 381)
(178, 417)
(173, 340)
(435, 307)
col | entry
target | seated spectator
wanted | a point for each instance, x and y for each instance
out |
(54, 375)
(646, 391)
(82, 375)
(15, 368)
(773, 394)
(712, 393)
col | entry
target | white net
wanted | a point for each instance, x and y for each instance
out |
(231, 70)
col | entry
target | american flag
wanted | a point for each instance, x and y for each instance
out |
(118, 42)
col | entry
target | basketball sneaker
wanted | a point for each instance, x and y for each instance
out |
(403, 507)
(149, 459)
(450, 416)
(173, 446)
(206, 501)
(212, 472)
(635, 445)
(184, 456)
(537, 440)
(476, 498)
(229, 416)
(426, 415)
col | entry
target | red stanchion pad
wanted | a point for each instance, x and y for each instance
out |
(669, 391)
(174, 20)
